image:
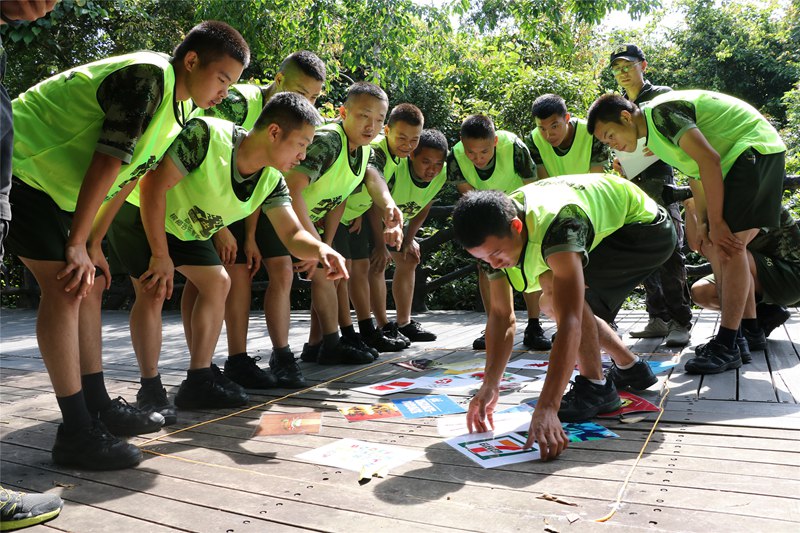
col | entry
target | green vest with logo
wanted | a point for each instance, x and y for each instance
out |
(57, 124)
(730, 126)
(204, 201)
(360, 201)
(410, 197)
(609, 201)
(504, 178)
(337, 182)
(252, 96)
(578, 160)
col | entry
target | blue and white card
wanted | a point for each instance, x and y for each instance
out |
(424, 406)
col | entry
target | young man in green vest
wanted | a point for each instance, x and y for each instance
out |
(560, 144)
(414, 184)
(736, 160)
(487, 160)
(667, 293)
(773, 257)
(83, 137)
(586, 240)
(360, 225)
(302, 73)
(213, 174)
(335, 165)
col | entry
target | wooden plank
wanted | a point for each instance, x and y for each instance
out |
(755, 380)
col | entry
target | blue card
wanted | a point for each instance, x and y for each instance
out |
(433, 405)
(660, 366)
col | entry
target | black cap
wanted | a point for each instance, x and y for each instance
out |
(631, 52)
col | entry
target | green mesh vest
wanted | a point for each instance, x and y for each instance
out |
(204, 201)
(337, 182)
(504, 178)
(411, 198)
(609, 201)
(730, 125)
(577, 160)
(57, 124)
(360, 201)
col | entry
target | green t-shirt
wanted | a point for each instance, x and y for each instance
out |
(522, 165)
(584, 152)
(213, 194)
(573, 213)
(730, 126)
(122, 106)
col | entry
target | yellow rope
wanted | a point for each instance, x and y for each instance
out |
(274, 400)
(622, 489)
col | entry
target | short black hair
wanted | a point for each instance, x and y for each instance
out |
(408, 113)
(608, 108)
(211, 40)
(360, 88)
(288, 110)
(548, 105)
(432, 138)
(481, 214)
(306, 62)
(478, 127)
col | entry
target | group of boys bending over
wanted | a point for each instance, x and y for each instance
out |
(182, 170)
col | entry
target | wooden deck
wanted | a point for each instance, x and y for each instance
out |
(725, 455)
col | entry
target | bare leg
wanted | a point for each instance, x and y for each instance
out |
(208, 312)
(277, 299)
(146, 329)
(531, 302)
(188, 299)
(735, 283)
(90, 329)
(377, 296)
(237, 308)
(324, 302)
(359, 288)
(343, 300)
(484, 287)
(403, 286)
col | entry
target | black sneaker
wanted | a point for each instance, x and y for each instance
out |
(379, 341)
(534, 338)
(310, 352)
(19, 509)
(210, 394)
(242, 369)
(638, 377)
(390, 330)
(124, 420)
(358, 342)
(585, 400)
(756, 340)
(94, 449)
(713, 358)
(226, 383)
(480, 342)
(286, 370)
(415, 333)
(155, 399)
(344, 353)
(771, 316)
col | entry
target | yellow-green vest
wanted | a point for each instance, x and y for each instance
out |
(578, 160)
(360, 201)
(409, 197)
(504, 177)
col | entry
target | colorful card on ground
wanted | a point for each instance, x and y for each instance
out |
(441, 382)
(490, 450)
(463, 367)
(661, 366)
(529, 364)
(630, 404)
(388, 387)
(424, 406)
(507, 377)
(288, 424)
(357, 413)
(366, 458)
(586, 431)
(418, 365)
(504, 422)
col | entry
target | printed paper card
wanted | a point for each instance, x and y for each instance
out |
(288, 424)
(491, 450)
(357, 413)
(661, 366)
(463, 367)
(529, 364)
(630, 404)
(424, 406)
(366, 458)
(505, 421)
(586, 431)
(418, 365)
(507, 377)
(388, 387)
(441, 382)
